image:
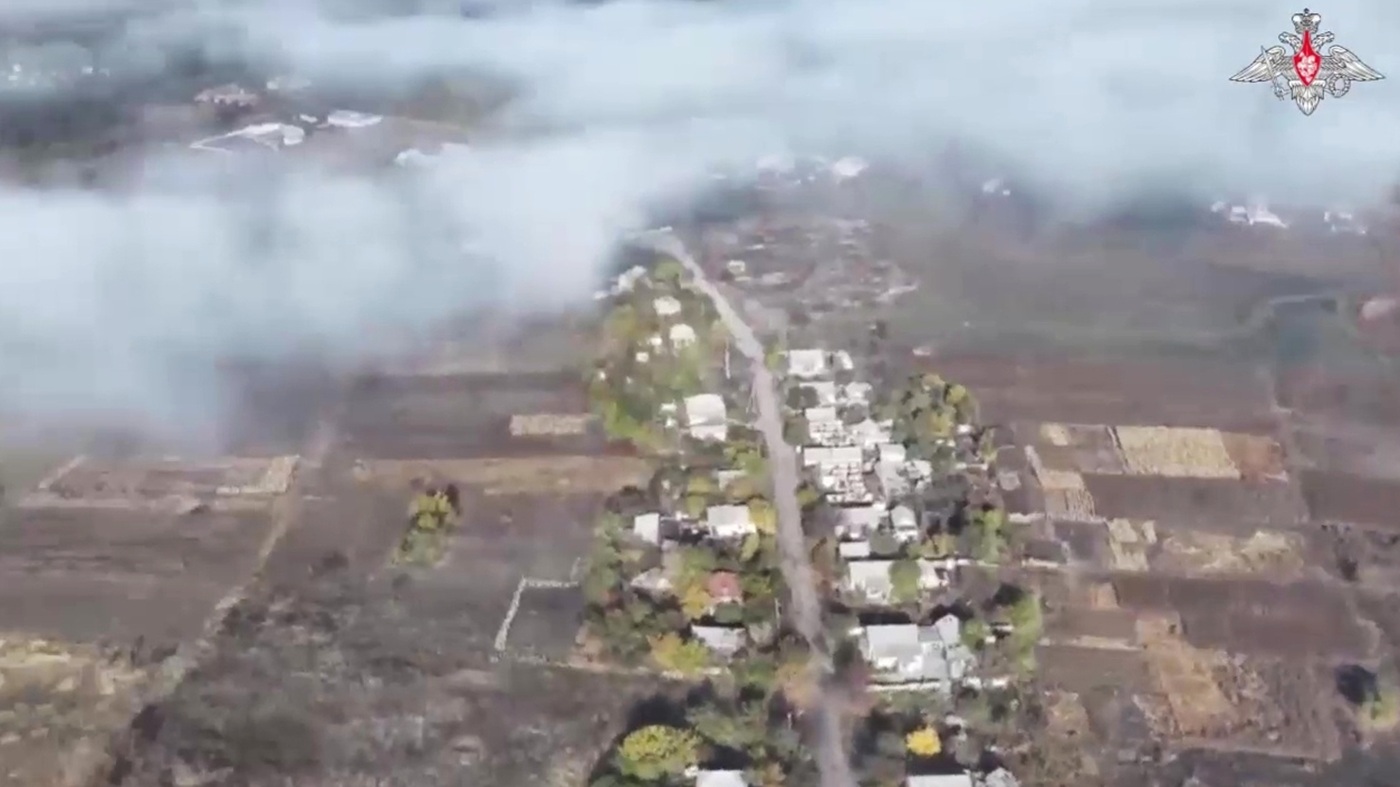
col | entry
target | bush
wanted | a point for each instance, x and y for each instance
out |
(658, 752)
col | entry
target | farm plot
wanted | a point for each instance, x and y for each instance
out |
(503, 476)
(1230, 702)
(1297, 620)
(1094, 628)
(1278, 554)
(433, 417)
(546, 623)
(141, 482)
(1191, 394)
(82, 574)
(1175, 452)
(1080, 669)
(1194, 500)
(1334, 497)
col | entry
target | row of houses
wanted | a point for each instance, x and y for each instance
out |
(863, 472)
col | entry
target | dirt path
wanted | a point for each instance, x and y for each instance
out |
(796, 564)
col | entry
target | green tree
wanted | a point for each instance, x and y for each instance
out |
(695, 505)
(658, 752)
(940, 545)
(904, 580)
(729, 614)
(884, 544)
(975, 633)
(669, 271)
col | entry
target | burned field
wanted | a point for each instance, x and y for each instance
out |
(339, 684)
(105, 569)
(463, 416)
(1163, 392)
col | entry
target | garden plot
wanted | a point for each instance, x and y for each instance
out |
(1257, 458)
(1234, 703)
(1336, 497)
(1079, 448)
(1129, 542)
(516, 476)
(1176, 452)
(86, 481)
(1186, 677)
(1275, 553)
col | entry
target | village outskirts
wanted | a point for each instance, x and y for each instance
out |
(933, 655)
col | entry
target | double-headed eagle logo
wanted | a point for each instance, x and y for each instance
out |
(1306, 76)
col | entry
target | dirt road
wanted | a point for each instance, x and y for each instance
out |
(796, 564)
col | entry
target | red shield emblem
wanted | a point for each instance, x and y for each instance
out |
(1306, 63)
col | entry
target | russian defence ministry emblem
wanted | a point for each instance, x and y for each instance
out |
(1305, 75)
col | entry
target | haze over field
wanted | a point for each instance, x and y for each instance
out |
(105, 300)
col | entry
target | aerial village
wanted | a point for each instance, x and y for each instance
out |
(900, 512)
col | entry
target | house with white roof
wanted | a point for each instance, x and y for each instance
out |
(963, 779)
(707, 778)
(728, 522)
(926, 655)
(905, 524)
(681, 335)
(871, 578)
(824, 391)
(722, 640)
(859, 522)
(706, 417)
(647, 527)
(824, 426)
(808, 364)
(666, 306)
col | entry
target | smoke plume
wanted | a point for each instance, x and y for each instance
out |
(109, 299)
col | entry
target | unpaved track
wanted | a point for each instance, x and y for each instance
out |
(792, 544)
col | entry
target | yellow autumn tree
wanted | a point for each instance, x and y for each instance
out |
(658, 752)
(924, 742)
(764, 516)
(673, 654)
(696, 601)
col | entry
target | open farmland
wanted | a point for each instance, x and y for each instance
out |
(463, 416)
(1202, 605)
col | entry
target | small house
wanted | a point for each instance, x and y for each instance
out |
(940, 780)
(853, 550)
(907, 653)
(823, 392)
(722, 640)
(706, 417)
(808, 364)
(682, 335)
(728, 522)
(905, 524)
(721, 779)
(724, 587)
(647, 527)
(858, 522)
(666, 306)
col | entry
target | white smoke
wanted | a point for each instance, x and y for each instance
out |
(102, 296)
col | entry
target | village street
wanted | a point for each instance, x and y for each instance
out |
(796, 564)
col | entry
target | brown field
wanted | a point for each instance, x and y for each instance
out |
(85, 480)
(1082, 669)
(1371, 398)
(1105, 628)
(1251, 616)
(1228, 702)
(514, 476)
(1334, 497)
(460, 416)
(80, 575)
(1103, 460)
(1188, 500)
(1170, 393)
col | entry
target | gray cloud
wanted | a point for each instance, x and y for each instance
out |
(102, 295)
